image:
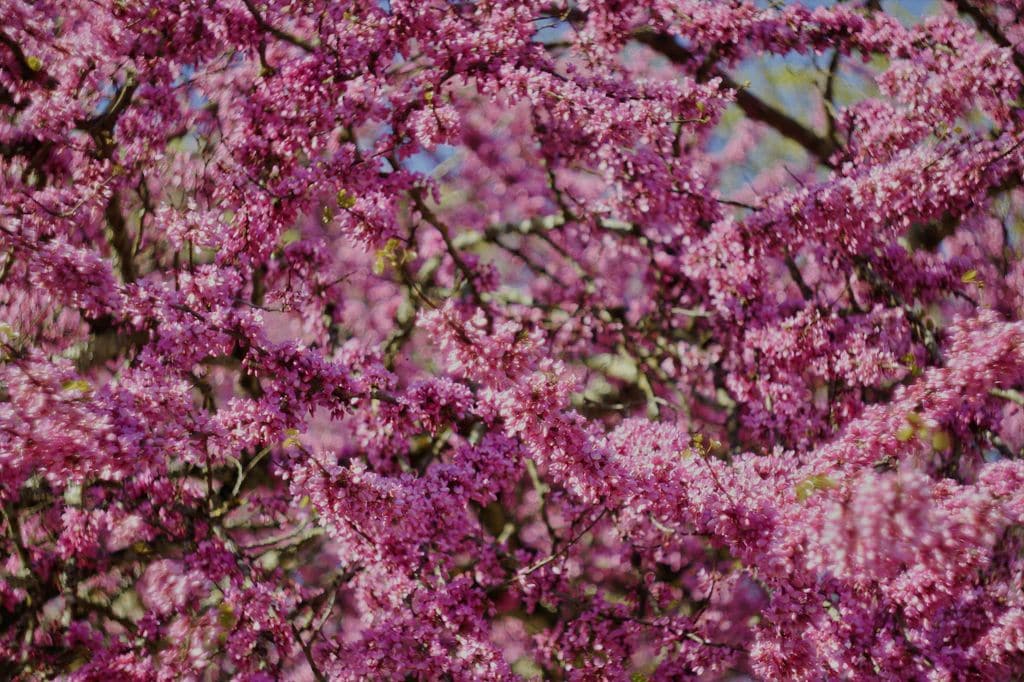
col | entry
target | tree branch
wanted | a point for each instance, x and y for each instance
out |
(751, 105)
(276, 32)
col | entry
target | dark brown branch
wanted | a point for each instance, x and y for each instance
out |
(467, 273)
(829, 96)
(751, 105)
(27, 70)
(985, 23)
(102, 125)
(276, 32)
(798, 278)
(119, 239)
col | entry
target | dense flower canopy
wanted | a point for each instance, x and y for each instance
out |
(452, 340)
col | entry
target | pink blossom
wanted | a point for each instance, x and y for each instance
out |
(511, 340)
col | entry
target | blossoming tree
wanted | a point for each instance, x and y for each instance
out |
(461, 340)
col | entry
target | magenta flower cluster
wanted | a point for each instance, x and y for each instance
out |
(443, 340)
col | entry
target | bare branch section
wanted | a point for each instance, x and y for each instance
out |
(989, 25)
(757, 109)
(305, 45)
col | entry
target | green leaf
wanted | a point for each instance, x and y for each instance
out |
(225, 615)
(380, 263)
(77, 385)
(346, 200)
(905, 433)
(392, 255)
(941, 441)
(812, 484)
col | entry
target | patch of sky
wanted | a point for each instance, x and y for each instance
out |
(908, 10)
(794, 83)
(433, 162)
(550, 30)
